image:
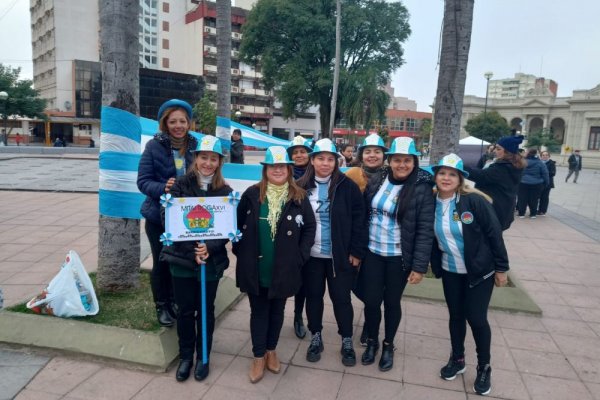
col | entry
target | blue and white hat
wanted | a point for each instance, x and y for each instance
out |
(373, 140)
(276, 155)
(175, 103)
(209, 143)
(299, 141)
(451, 161)
(324, 145)
(403, 145)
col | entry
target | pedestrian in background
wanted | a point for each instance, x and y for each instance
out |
(236, 155)
(545, 196)
(168, 155)
(345, 156)
(470, 257)
(278, 230)
(575, 166)
(535, 178)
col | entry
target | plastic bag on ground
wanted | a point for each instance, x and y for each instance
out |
(69, 294)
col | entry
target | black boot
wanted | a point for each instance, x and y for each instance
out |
(387, 357)
(368, 356)
(183, 370)
(201, 371)
(173, 310)
(299, 328)
(364, 335)
(162, 314)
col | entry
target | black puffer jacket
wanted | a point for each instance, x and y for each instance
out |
(156, 167)
(183, 254)
(416, 225)
(293, 240)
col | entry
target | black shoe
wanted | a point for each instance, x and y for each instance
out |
(313, 354)
(347, 351)
(387, 357)
(201, 371)
(183, 370)
(454, 367)
(368, 356)
(299, 328)
(173, 310)
(364, 335)
(163, 316)
(483, 382)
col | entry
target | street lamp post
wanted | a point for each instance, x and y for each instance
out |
(4, 98)
(238, 114)
(488, 75)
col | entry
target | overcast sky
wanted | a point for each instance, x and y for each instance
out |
(555, 39)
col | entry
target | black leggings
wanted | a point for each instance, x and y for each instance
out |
(299, 302)
(189, 319)
(266, 320)
(466, 304)
(383, 280)
(544, 200)
(316, 272)
(160, 278)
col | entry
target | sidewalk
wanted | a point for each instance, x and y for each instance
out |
(556, 356)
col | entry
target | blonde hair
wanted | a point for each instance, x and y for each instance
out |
(295, 192)
(464, 188)
(162, 126)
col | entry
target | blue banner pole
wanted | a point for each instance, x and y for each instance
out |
(203, 305)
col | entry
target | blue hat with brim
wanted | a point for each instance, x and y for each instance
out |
(324, 146)
(175, 103)
(403, 145)
(299, 141)
(209, 143)
(373, 140)
(276, 155)
(451, 161)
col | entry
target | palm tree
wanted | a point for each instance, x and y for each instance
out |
(336, 68)
(368, 102)
(224, 58)
(119, 238)
(456, 40)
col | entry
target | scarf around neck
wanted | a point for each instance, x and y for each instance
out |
(276, 196)
(204, 181)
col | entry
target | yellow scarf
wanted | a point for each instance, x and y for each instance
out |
(277, 196)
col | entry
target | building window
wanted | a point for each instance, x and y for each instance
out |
(165, 26)
(165, 62)
(411, 124)
(165, 7)
(594, 142)
(165, 44)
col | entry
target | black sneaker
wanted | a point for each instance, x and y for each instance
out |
(453, 368)
(483, 382)
(313, 354)
(347, 351)
(364, 336)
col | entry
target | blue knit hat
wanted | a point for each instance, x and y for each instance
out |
(511, 143)
(175, 103)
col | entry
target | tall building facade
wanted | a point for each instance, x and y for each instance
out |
(520, 86)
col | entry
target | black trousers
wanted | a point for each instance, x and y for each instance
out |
(160, 277)
(189, 319)
(383, 280)
(299, 299)
(266, 320)
(316, 273)
(529, 196)
(544, 200)
(466, 304)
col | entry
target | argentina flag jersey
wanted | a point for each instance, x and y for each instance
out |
(320, 204)
(384, 230)
(448, 231)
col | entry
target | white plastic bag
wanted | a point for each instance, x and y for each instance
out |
(69, 294)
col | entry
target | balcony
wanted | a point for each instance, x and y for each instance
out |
(246, 109)
(209, 50)
(211, 86)
(255, 92)
(211, 69)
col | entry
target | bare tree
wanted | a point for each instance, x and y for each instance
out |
(336, 68)
(224, 58)
(119, 238)
(454, 56)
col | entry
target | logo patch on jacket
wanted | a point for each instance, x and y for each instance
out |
(467, 217)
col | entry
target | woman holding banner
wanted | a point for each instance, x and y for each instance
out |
(167, 156)
(203, 180)
(278, 230)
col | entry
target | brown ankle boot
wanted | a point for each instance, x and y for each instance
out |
(257, 369)
(273, 363)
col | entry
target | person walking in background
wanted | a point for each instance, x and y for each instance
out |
(237, 147)
(204, 179)
(18, 139)
(168, 155)
(278, 231)
(298, 152)
(340, 245)
(501, 179)
(545, 196)
(534, 180)
(575, 166)
(400, 225)
(470, 257)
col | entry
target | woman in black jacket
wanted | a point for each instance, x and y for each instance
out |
(278, 230)
(545, 196)
(168, 155)
(203, 180)
(400, 209)
(469, 255)
(340, 245)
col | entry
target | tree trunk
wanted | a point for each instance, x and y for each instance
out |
(456, 40)
(336, 68)
(119, 238)
(324, 116)
(224, 58)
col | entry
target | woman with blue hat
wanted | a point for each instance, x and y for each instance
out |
(470, 257)
(278, 231)
(167, 156)
(204, 179)
(400, 213)
(340, 245)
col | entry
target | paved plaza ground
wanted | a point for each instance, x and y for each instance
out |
(556, 356)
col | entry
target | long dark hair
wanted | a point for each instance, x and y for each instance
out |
(307, 181)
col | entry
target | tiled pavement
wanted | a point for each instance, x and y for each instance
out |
(556, 356)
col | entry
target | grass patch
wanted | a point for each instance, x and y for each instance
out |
(131, 310)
